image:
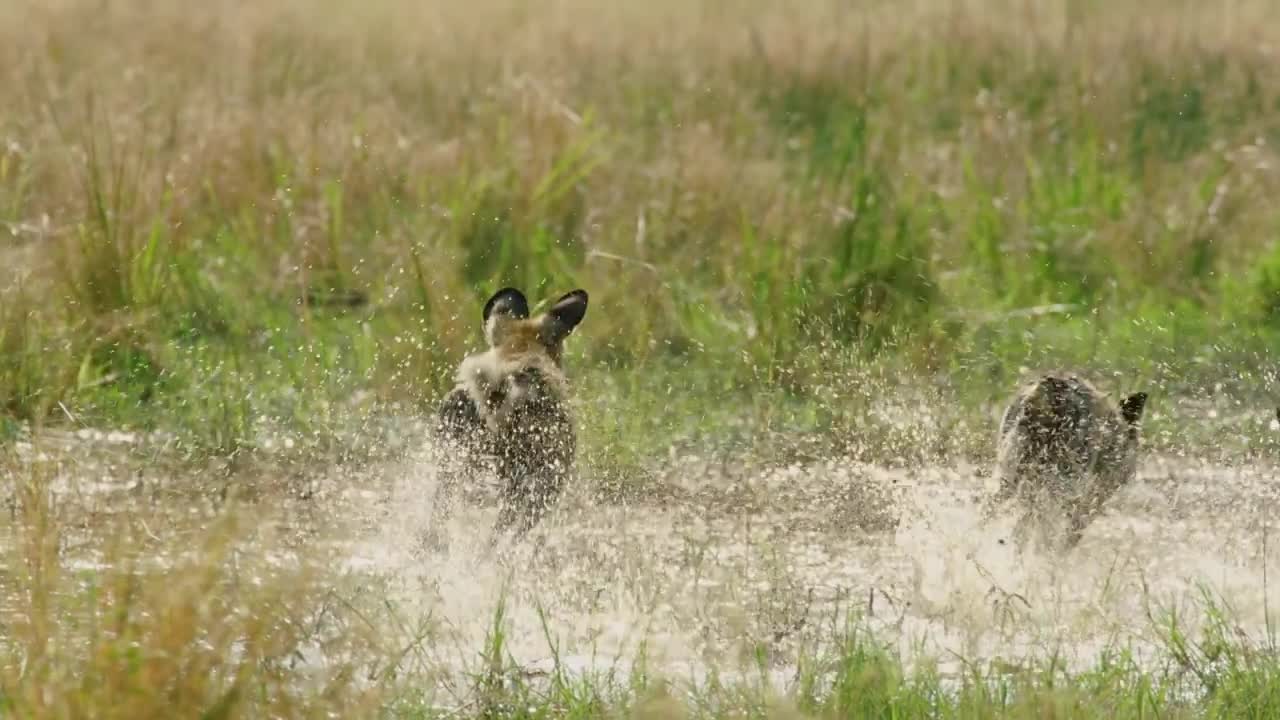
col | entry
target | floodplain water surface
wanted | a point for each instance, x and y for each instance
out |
(719, 569)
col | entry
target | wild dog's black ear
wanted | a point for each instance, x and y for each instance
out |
(565, 315)
(1131, 408)
(507, 301)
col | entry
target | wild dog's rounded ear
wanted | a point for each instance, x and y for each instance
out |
(507, 301)
(568, 312)
(1131, 408)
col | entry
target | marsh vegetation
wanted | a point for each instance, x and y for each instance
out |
(244, 246)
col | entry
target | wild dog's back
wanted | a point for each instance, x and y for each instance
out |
(1063, 442)
(1052, 422)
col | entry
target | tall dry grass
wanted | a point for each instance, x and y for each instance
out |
(212, 208)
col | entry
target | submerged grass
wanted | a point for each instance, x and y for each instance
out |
(143, 629)
(1219, 674)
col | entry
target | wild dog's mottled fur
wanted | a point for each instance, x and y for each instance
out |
(510, 404)
(1065, 449)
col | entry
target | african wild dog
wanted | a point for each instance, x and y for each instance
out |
(510, 404)
(1064, 449)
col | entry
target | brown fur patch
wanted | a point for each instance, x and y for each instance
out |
(1064, 449)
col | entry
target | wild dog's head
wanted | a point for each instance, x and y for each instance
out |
(523, 362)
(509, 329)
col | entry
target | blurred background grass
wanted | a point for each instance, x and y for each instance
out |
(234, 215)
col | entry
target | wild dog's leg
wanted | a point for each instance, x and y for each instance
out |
(516, 461)
(1087, 507)
(1035, 505)
(515, 519)
(522, 503)
(535, 464)
(1006, 466)
(1012, 474)
(1024, 529)
(1075, 531)
(1080, 515)
(1038, 527)
(458, 420)
(459, 425)
(1008, 488)
(530, 490)
(535, 500)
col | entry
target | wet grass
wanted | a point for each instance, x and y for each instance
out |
(858, 677)
(231, 220)
(142, 627)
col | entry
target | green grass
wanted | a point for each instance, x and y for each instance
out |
(1214, 674)
(188, 228)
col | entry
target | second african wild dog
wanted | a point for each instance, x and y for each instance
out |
(510, 403)
(1064, 449)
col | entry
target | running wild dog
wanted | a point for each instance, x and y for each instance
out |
(1064, 450)
(510, 404)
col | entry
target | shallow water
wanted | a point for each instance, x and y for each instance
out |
(721, 565)
(709, 578)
